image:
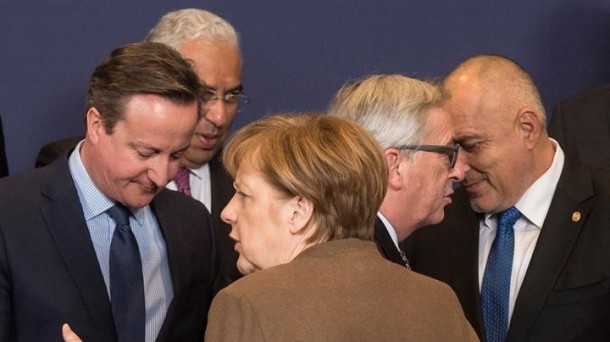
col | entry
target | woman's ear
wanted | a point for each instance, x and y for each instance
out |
(302, 212)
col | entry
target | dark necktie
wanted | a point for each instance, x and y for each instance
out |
(403, 256)
(495, 290)
(182, 181)
(126, 280)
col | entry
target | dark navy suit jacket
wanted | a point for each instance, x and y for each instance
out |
(49, 273)
(581, 125)
(222, 191)
(565, 295)
(3, 163)
(385, 245)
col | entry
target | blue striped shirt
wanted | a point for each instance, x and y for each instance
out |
(155, 268)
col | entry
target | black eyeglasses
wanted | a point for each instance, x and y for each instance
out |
(450, 151)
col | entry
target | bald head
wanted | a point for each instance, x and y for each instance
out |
(499, 79)
(499, 122)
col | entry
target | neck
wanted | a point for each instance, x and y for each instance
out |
(397, 216)
(190, 165)
(543, 157)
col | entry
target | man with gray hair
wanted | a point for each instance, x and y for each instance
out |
(212, 44)
(416, 135)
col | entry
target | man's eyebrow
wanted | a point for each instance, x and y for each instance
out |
(232, 90)
(137, 145)
(465, 137)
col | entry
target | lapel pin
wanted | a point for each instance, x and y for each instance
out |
(576, 216)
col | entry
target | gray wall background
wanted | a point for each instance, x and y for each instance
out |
(296, 53)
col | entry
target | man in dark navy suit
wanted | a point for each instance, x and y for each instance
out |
(57, 228)
(546, 273)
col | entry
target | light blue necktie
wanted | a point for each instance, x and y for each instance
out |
(495, 290)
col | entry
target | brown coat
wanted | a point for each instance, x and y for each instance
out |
(338, 291)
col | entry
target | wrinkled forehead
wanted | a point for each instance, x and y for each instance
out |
(439, 128)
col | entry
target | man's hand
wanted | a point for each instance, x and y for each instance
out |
(69, 335)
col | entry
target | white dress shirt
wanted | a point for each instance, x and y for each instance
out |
(533, 205)
(390, 229)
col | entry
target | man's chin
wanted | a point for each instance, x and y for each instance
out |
(140, 200)
(479, 206)
(437, 217)
(199, 158)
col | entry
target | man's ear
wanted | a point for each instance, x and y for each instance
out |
(393, 158)
(302, 212)
(95, 125)
(530, 126)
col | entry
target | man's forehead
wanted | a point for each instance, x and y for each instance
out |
(439, 120)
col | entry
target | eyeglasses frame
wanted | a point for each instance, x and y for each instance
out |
(211, 96)
(450, 150)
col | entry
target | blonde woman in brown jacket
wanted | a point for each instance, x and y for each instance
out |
(307, 190)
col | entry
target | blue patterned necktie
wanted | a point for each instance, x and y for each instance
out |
(495, 290)
(126, 280)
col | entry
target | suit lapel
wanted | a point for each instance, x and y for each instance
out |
(384, 243)
(64, 218)
(557, 238)
(169, 220)
(464, 256)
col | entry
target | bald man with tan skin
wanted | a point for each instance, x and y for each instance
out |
(559, 281)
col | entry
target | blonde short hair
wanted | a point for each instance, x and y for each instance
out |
(331, 161)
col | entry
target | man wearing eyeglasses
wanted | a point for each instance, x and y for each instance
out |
(416, 135)
(212, 44)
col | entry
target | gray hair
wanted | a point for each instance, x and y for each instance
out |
(393, 108)
(186, 25)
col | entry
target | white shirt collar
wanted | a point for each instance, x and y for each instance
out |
(389, 228)
(536, 201)
(92, 199)
(201, 172)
